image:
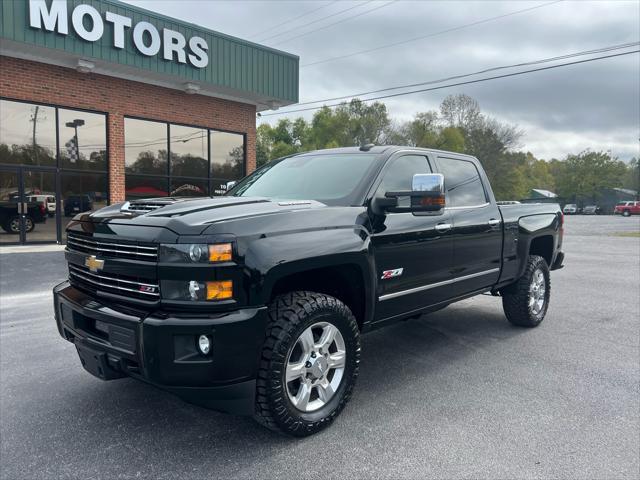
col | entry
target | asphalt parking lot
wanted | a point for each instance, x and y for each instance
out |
(457, 394)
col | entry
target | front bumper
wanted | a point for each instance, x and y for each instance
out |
(160, 348)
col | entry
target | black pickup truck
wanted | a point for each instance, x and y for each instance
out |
(254, 302)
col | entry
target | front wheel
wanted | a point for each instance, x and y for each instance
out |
(525, 302)
(309, 363)
(626, 213)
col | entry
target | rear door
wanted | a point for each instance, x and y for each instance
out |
(413, 253)
(477, 225)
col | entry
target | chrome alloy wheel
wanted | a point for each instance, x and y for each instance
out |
(315, 367)
(537, 291)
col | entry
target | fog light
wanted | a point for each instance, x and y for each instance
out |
(204, 344)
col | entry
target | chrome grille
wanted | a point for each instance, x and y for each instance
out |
(120, 249)
(116, 284)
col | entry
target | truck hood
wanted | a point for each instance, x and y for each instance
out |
(191, 216)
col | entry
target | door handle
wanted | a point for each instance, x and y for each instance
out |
(443, 227)
(494, 221)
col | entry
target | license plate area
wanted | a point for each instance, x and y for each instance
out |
(96, 362)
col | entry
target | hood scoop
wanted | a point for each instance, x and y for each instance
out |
(140, 207)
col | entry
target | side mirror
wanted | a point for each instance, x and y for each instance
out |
(426, 196)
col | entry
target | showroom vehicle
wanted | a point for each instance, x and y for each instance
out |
(11, 210)
(570, 209)
(254, 302)
(626, 209)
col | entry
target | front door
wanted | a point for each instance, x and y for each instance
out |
(413, 253)
(28, 206)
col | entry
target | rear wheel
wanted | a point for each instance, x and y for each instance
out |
(525, 302)
(309, 363)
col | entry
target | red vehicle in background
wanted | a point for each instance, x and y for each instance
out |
(626, 209)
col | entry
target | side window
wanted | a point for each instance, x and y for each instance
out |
(399, 175)
(462, 183)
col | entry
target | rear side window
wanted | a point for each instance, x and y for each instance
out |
(462, 183)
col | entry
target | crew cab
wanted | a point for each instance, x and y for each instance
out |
(626, 209)
(255, 302)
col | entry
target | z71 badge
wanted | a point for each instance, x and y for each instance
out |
(396, 272)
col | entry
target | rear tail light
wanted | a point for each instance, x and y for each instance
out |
(42, 208)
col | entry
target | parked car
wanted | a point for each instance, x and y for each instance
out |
(570, 209)
(48, 200)
(10, 216)
(591, 210)
(626, 209)
(75, 204)
(254, 302)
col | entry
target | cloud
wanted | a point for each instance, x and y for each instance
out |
(594, 105)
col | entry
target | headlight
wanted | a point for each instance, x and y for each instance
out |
(195, 253)
(197, 290)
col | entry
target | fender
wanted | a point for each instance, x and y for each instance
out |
(535, 226)
(269, 259)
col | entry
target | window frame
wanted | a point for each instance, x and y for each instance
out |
(168, 177)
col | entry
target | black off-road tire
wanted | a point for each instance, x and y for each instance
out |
(515, 297)
(289, 316)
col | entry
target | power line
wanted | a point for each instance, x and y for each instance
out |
(315, 21)
(291, 20)
(487, 70)
(468, 82)
(336, 23)
(421, 37)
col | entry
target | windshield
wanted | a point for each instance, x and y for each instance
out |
(330, 179)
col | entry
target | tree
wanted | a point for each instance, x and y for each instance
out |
(460, 111)
(584, 176)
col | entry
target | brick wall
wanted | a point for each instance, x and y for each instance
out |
(65, 87)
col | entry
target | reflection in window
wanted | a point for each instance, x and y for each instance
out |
(188, 187)
(27, 134)
(188, 151)
(83, 192)
(227, 159)
(462, 182)
(145, 187)
(83, 141)
(145, 146)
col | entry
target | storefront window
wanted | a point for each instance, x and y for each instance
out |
(138, 186)
(227, 160)
(82, 192)
(202, 161)
(83, 141)
(188, 151)
(145, 147)
(27, 134)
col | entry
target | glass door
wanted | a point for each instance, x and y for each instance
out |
(10, 207)
(40, 206)
(28, 206)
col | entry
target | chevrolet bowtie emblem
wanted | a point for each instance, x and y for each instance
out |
(93, 263)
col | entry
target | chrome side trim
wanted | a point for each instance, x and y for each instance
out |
(465, 207)
(389, 296)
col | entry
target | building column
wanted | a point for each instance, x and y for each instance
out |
(116, 157)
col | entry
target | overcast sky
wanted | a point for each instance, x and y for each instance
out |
(594, 105)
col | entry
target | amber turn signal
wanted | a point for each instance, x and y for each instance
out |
(222, 290)
(220, 252)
